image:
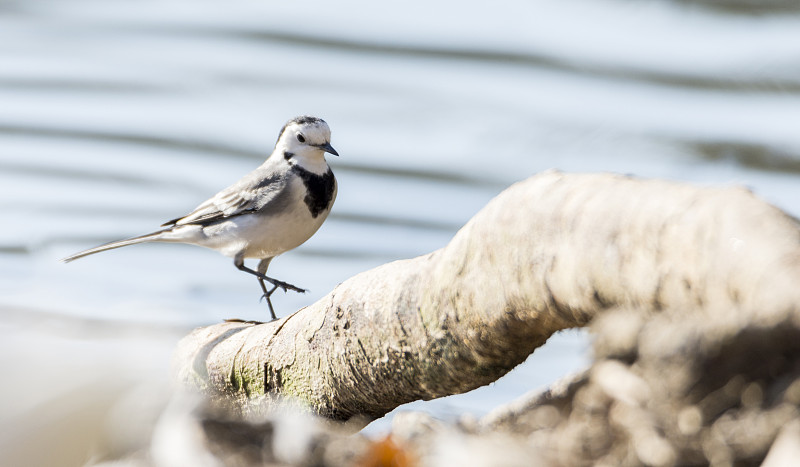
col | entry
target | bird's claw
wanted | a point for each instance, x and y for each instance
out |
(286, 287)
(237, 320)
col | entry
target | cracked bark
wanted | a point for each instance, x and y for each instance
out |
(548, 253)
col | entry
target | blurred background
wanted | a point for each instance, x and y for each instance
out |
(116, 116)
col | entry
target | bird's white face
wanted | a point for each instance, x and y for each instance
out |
(299, 138)
(305, 140)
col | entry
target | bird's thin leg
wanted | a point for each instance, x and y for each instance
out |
(266, 296)
(261, 276)
(283, 285)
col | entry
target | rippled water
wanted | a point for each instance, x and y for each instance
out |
(116, 116)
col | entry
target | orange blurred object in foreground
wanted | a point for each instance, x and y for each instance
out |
(387, 453)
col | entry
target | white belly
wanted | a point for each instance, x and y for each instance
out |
(279, 235)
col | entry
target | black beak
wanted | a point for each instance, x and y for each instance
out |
(328, 148)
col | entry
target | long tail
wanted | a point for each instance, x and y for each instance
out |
(151, 237)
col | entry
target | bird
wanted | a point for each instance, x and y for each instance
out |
(273, 209)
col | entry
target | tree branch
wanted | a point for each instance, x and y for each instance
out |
(548, 253)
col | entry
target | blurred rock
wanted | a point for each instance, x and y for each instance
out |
(786, 449)
(716, 388)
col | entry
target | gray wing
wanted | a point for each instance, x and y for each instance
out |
(252, 193)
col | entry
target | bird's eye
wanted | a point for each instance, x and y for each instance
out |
(301, 138)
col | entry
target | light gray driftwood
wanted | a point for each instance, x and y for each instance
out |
(548, 253)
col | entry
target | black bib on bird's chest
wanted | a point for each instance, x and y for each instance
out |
(320, 189)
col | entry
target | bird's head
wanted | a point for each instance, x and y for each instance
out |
(305, 140)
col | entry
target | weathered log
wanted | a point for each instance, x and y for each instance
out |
(548, 253)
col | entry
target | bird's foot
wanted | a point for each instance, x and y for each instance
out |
(286, 286)
(249, 321)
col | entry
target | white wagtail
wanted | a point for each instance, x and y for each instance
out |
(270, 211)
